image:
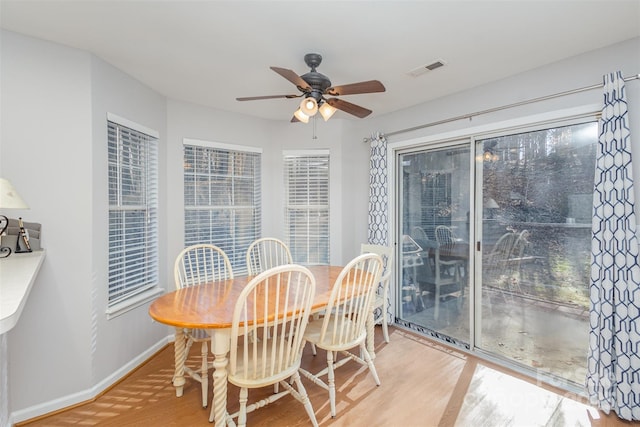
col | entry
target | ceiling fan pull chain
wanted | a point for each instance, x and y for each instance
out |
(314, 127)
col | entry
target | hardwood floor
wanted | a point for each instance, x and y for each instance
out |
(424, 383)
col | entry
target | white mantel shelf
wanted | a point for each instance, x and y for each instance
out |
(17, 274)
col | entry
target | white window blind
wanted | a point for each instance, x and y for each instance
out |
(222, 199)
(133, 212)
(306, 177)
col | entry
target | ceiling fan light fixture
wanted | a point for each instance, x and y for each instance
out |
(301, 116)
(309, 106)
(326, 111)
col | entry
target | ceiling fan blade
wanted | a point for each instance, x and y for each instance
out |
(369, 86)
(348, 107)
(294, 119)
(293, 78)
(255, 98)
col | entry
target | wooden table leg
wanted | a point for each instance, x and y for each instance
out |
(220, 348)
(180, 357)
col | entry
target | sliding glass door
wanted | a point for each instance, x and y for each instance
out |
(434, 229)
(536, 198)
(496, 234)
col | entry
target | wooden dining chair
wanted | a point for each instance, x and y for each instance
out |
(343, 326)
(266, 253)
(196, 265)
(274, 305)
(379, 306)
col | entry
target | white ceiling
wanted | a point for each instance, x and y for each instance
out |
(210, 52)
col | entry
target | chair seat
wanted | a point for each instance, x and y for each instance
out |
(268, 360)
(444, 281)
(314, 330)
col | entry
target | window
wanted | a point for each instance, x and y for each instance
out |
(222, 198)
(306, 176)
(133, 212)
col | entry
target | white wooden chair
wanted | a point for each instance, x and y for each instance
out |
(382, 291)
(343, 326)
(266, 253)
(278, 301)
(444, 235)
(418, 233)
(194, 266)
(498, 259)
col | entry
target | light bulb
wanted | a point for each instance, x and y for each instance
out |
(309, 106)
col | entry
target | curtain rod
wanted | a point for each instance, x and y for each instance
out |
(504, 107)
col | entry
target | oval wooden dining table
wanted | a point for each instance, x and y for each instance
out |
(210, 306)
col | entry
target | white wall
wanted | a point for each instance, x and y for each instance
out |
(45, 151)
(54, 101)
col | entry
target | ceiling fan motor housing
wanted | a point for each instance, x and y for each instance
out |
(318, 82)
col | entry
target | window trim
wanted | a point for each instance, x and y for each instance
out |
(132, 125)
(221, 145)
(490, 129)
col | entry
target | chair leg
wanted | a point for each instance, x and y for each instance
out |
(314, 318)
(331, 380)
(385, 328)
(204, 372)
(242, 416)
(372, 367)
(304, 398)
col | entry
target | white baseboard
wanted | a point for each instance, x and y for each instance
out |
(91, 393)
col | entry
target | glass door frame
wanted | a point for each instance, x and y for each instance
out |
(395, 215)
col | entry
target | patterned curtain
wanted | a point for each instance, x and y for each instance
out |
(379, 202)
(378, 191)
(613, 371)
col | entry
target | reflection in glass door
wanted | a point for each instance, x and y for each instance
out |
(537, 196)
(434, 209)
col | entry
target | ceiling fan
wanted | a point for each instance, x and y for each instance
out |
(316, 87)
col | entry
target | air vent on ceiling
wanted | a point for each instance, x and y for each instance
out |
(428, 67)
